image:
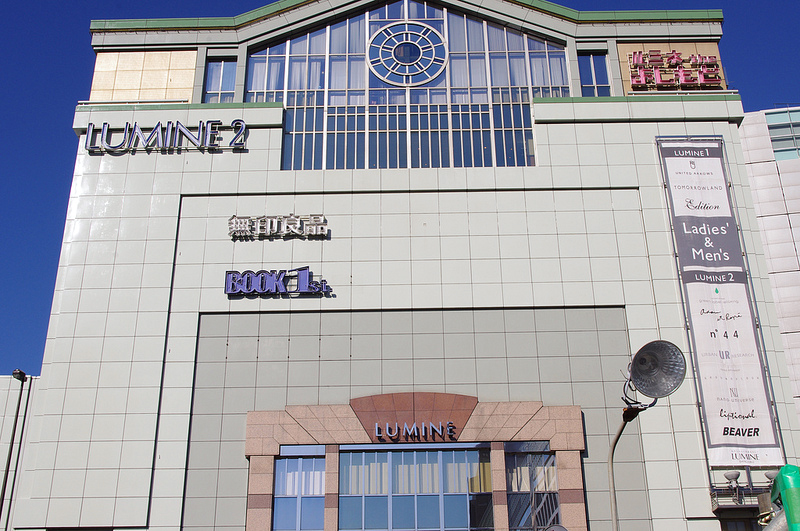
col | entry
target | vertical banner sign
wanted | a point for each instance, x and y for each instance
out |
(739, 424)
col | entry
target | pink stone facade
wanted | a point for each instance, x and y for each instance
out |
(494, 422)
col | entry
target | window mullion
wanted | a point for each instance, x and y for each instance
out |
(325, 86)
(489, 94)
(389, 489)
(440, 461)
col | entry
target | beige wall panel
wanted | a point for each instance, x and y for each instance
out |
(144, 76)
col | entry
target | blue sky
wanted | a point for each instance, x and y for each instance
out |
(48, 69)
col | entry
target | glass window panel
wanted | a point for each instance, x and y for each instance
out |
(360, 149)
(313, 468)
(783, 143)
(600, 73)
(540, 72)
(403, 470)
(256, 73)
(402, 151)
(477, 70)
(519, 148)
(459, 73)
(456, 511)
(299, 45)
(453, 472)
(787, 155)
(587, 91)
(479, 95)
(535, 44)
(357, 39)
(228, 76)
(517, 473)
(499, 67)
(519, 77)
(292, 477)
(213, 75)
(497, 38)
(481, 515)
(545, 509)
(357, 66)
(435, 12)
(585, 69)
(458, 39)
(427, 512)
(499, 149)
(285, 514)
(780, 130)
(312, 513)
(558, 68)
(376, 472)
(297, 73)
(339, 37)
(318, 151)
(275, 73)
(316, 42)
(428, 472)
(340, 151)
(376, 512)
(395, 11)
(515, 40)
(403, 512)
(475, 35)
(445, 149)
(349, 512)
(338, 72)
(416, 9)
(529, 147)
(604, 90)
(519, 510)
(424, 150)
(316, 72)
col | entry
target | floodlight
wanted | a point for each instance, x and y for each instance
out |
(733, 479)
(656, 371)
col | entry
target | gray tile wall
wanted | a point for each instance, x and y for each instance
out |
(257, 361)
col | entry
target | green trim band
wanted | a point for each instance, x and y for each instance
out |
(250, 17)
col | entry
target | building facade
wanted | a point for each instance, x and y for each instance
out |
(361, 266)
(770, 145)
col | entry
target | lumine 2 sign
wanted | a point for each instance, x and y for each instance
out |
(164, 136)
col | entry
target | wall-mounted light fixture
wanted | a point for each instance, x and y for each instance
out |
(656, 371)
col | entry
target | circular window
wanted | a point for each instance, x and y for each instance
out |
(407, 53)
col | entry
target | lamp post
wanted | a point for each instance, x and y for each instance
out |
(656, 371)
(22, 377)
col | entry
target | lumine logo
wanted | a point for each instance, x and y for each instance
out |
(298, 281)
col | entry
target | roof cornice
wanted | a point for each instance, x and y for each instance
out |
(281, 6)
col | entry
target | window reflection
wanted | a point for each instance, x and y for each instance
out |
(409, 490)
(299, 495)
(532, 488)
(594, 74)
(220, 81)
